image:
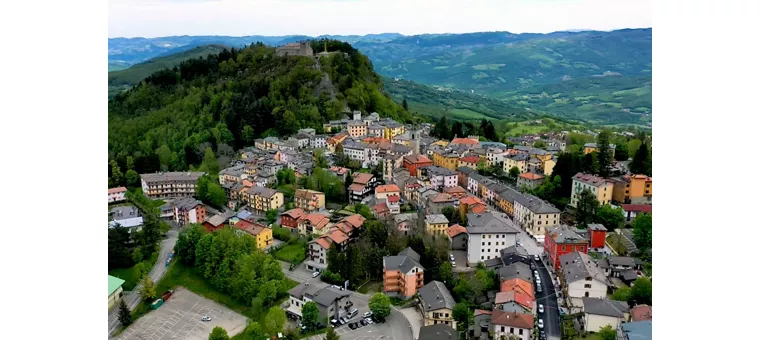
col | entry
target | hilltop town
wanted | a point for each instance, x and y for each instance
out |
(469, 238)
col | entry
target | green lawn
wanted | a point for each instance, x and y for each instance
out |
(612, 241)
(371, 287)
(589, 336)
(290, 253)
(131, 275)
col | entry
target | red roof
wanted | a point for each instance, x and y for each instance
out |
(519, 285)
(381, 208)
(455, 230)
(641, 313)
(468, 141)
(117, 190)
(637, 208)
(393, 199)
(381, 189)
(517, 320)
(454, 190)
(442, 197)
(324, 242)
(356, 187)
(362, 178)
(469, 159)
(414, 159)
(250, 227)
(515, 295)
(481, 312)
(337, 236)
(470, 200)
(531, 176)
(294, 213)
(318, 221)
(355, 220)
(478, 208)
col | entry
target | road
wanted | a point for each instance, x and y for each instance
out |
(132, 298)
(396, 325)
(548, 298)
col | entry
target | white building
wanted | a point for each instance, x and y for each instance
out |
(441, 177)
(495, 156)
(125, 216)
(598, 313)
(318, 142)
(317, 260)
(355, 151)
(487, 236)
(583, 277)
(534, 214)
(117, 194)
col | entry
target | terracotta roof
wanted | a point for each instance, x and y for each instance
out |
(381, 208)
(362, 178)
(250, 227)
(454, 190)
(470, 200)
(470, 159)
(478, 208)
(417, 159)
(518, 320)
(356, 187)
(531, 176)
(518, 284)
(455, 230)
(344, 227)
(355, 220)
(323, 242)
(116, 190)
(637, 208)
(294, 213)
(386, 188)
(518, 296)
(442, 197)
(337, 236)
(393, 199)
(482, 312)
(641, 313)
(467, 141)
(318, 221)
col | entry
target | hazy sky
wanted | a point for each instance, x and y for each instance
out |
(156, 18)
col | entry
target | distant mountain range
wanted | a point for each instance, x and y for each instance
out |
(599, 77)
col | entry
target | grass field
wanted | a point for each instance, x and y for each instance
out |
(371, 287)
(132, 274)
(589, 336)
(290, 253)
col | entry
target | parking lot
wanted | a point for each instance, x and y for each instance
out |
(370, 332)
(180, 318)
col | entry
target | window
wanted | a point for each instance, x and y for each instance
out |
(512, 330)
(502, 328)
(587, 286)
(520, 331)
(586, 294)
(481, 257)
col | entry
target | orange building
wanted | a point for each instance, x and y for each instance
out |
(403, 274)
(414, 162)
(635, 189)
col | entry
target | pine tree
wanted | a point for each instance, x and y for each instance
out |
(639, 164)
(604, 154)
(405, 104)
(125, 317)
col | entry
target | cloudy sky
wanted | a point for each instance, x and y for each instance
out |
(156, 18)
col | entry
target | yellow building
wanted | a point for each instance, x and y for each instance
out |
(436, 224)
(392, 129)
(262, 234)
(600, 187)
(309, 200)
(441, 143)
(263, 199)
(437, 305)
(114, 290)
(519, 160)
(636, 189)
(469, 162)
(448, 161)
(356, 129)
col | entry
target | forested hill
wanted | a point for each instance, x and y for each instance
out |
(224, 101)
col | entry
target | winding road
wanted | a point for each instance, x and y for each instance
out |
(132, 298)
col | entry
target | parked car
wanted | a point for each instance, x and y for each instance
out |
(540, 323)
(542, 335)
(352, 325)
(370, 320)
(539, 289)
(451, 257)
(206, 318)
(335, 323)
(367, 314)
(359, 324)
(342, 321)
(535, 257)
(314, 274)
(352, 313)
(453, 264)
(364, 322)
(540, 308)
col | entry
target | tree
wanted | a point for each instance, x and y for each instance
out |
(633, 147)
(210, 164)
(587, 207)
(377, 232)
(339, 149)
(274, 320)
(133, 178)
(272, 215)
(456, 129)
(331, 335)
(137, 255)
(218, 333)
(604, 153)
(248, 135)
(641, 160)
(116, 176)
(446, 274)
(460, 312)
(254, 332)
(216, 196)
(405, 105)
(363, 210)
(514, 172)
(464, 291)
(380, 305)
(451, 214)
(590, 163)
(125, 317)
(310, 315)
(148, 289)
(186, 242)
(642, 231)
(641, 291)
(607, 333)
(609, 216)
(622, 294)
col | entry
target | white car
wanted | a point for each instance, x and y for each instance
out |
(540, 308)
(451, 257)
(314, 274)
(540, 323)
(206, 318)
(535, 257)
(367, 314)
